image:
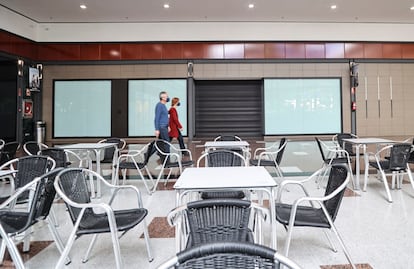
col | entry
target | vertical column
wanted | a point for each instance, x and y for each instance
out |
(353, 68)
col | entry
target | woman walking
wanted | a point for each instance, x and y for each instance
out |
(174, 123)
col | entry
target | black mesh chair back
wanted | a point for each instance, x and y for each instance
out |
(223, 158)
(56, 154)
(280, 153)
(15, 222)
(318, 142)
(8, 152)
(109, 152)
(346, 146)
(33, 147)
(73, 182)
(96, 217)
(399, 156)
(30, 167)
(221, 220)
(225, 255)
(150, 150)
(337, 177)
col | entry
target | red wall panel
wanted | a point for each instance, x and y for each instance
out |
(315, 51)
(275, 50)
(193, 51)
(254, 50)
(130, 51)
(90, 52)
(372, 50)
(151, 51)
(391, 51)
(15, 45)
(354, 50)
(295, 50)
(110, 51)
(58, 52)
(407, 51)
(172, 51)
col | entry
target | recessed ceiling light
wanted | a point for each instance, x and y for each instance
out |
(251, 5)
(83, 6)
(333, 6)
(166, 6)
(412, 8)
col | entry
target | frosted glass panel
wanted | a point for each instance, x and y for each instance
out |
(302, 106)
(82, 108)
(143, 95)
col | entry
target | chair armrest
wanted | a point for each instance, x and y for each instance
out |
(29, 186)
(175, 214)
(285, 183)
(117, 188)
(264, 212)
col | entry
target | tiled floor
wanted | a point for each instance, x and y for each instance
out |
(378, 234)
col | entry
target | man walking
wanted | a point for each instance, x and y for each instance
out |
(161, 120)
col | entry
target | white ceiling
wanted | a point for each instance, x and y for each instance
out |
(116, 11)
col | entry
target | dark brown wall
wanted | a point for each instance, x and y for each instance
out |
(22, 47)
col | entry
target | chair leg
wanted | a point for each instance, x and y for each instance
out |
(115, 178)
(168, 177)
(394, 177)
(115, 241)
(56, 237)
(13, 251)
(410, 176)
(330, 241)
(338, 236)
(2, 251)
(69, 244)
(147, 241)
(289, 238)
(91, 244)
(26, 239)
(123, 176)
(387, 189)
(145, 182)
(341, 242)
(351, 174)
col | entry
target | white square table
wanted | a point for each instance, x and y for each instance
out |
(363, 142)
(97, 148)
(228, 178)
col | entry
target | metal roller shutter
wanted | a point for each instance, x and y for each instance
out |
(228, 108)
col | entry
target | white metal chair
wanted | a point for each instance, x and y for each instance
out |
(394, 164)
(225, 255)
(270, 156)
(218, 220)
(135, 159)
(33, 147)
(110, 156)
(14, 223)
(172, 159)
(86, 215)
(222, 158)
(321, 211)
(334, 156)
